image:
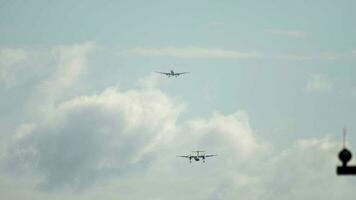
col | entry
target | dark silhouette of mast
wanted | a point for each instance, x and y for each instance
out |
(345, 156)
(344, 138)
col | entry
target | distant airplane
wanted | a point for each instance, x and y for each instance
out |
(172, 73)
(198, 157)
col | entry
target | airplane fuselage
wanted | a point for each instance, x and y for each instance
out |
(197, 158)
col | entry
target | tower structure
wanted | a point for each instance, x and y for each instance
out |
(345, 156)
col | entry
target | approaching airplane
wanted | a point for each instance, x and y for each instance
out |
(172, 73)
(198, 157)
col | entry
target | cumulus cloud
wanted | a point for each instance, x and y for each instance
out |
(130, 138)
(71, 62)
(307, 170)
(151, 81)
(123, 144)
(10, 58)
(233, 131)
(318, 83)
(287, 33)
(90, 136)
(51, 73)
(48, 67)
(304, 170)
(194, 52)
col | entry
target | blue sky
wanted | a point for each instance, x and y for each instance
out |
(270, 83)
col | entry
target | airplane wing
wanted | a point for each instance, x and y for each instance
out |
(180, 73)
(211, 155)
(183, 156)
(165, 73)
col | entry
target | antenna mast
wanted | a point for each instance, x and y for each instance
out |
(344, 137)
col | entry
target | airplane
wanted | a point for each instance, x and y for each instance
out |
(172, 73)
(198, 157)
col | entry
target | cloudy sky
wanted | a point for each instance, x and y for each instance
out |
(84, 116)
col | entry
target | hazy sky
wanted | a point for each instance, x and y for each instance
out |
(84, 116)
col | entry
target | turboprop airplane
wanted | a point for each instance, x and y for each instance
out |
(198, 156)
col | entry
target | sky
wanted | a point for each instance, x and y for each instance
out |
(85, 116)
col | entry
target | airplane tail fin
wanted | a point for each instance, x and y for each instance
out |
(198, 152)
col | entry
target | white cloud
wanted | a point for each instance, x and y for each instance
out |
(24, 129)
(125, 141)
(71, 62)
(60, 67)
(318, 83)
(287, 33)
(151, 81)
(123, 144)
(304, 170)
(195, 52)
(305, 57)
(49, 67)
(307, 170)
(233, 130)
(89, 137)
(10, 58)
(219, 53)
